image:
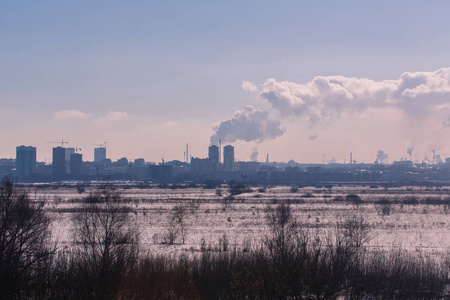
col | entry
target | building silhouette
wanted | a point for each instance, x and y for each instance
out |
(202, 166)
(59, 162)
(76, 164)
(25, 161)
(160, 173)
(228, 158)
(213, 154)
(139, 161)
(68, 153)
(122, 162)
(99, 154)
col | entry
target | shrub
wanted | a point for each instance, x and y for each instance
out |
(433, 201)
(411, 200)
(210, 184)
(338, 198)
(80, 189)
(353, 198)
(239, 188)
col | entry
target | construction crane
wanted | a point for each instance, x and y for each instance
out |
(62, 143)
(101, 145)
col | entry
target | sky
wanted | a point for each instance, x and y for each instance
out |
(310, 81)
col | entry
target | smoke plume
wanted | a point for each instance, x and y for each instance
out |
(332, 160)
(249, 124)
(382, 156)
(327, 97)
(410, 151)
(254, 155)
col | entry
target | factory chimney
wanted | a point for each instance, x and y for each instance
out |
(220, 151)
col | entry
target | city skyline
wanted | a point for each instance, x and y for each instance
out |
(305, 81)
(223, 155)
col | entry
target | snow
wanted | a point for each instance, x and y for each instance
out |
(418, 228)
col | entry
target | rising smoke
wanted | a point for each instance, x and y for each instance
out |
(249, 124)
(382, 157)
(410, 152)
(254, 155)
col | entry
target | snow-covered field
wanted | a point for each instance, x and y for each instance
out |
(210, 219)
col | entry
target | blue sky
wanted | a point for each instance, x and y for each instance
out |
(169, 70)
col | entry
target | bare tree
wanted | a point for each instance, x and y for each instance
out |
(356, 231)
(107, 242)
(280, 221)
(24, 240)
(176, 225)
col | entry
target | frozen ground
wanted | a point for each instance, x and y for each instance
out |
(420, 228)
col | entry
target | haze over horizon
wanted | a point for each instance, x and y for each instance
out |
(309, 81)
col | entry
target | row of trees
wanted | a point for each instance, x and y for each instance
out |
(104, 248)
(105, 263)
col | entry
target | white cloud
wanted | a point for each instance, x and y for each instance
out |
(327, 97)
(71, 114)
(113, 116)
(249, 86)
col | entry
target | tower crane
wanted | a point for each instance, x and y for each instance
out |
(62, 143)
(101, 145)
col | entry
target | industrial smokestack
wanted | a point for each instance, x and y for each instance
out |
(187, 152)
(351, 158)
(220, 151)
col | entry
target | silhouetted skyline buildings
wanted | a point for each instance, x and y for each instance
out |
(76, 164)
(228, 158)
(25, 160)
(59, 162)
(99, 154)
(200, 169)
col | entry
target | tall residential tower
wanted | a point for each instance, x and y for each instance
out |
(99, 154)
(228, 158)
(213, 155)
(59, 162)
(25, 161)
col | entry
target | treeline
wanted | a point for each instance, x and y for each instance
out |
(291, 262)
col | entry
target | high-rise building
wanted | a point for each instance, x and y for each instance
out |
(25, 160)
(76, 164)
(68, 153)
(213, 154)
(99, 154)
(122, 162)
(228, 158)
(59, 162)
(139, 161)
